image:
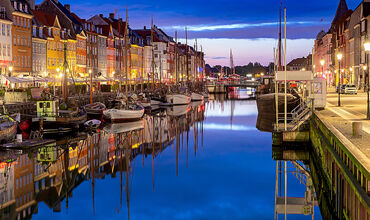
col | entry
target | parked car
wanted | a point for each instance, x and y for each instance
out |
(348, 89)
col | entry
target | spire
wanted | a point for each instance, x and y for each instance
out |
(341, 10)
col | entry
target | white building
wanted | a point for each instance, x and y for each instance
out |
(5, 42)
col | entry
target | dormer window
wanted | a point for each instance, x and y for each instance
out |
(26, 8)
(15, 5)
(34, 31)
(20, 7)
(40, 32)
(49, 31)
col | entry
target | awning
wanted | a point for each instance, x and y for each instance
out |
(294, 76)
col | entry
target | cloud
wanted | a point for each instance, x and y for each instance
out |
(209, 27)
(216, 58)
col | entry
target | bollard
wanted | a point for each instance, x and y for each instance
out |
(357, 129)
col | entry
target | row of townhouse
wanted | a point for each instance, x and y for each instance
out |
(347, 35)
(48, 39)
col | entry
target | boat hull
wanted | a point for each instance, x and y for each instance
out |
(178, 99)
(8, 134)
(124, 127)
(121, 115)
(196, 97)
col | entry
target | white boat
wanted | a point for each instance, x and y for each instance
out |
(124, 127)
(155, 102)
(178, 99)
(196, 97)
(124, 115)
(178, 110)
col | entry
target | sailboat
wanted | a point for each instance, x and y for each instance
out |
(124, 110)
(54, 117)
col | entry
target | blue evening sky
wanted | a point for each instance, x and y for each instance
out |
(248, 27)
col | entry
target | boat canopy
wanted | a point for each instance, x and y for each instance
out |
(294, 76)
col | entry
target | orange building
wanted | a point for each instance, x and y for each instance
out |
(81, 54)
(21, 35)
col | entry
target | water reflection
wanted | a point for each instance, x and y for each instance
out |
(50, 173)
(201, 161)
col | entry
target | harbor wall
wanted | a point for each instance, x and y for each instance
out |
(342, 185)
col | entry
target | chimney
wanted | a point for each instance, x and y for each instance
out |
(111, 15)
(144, 27)
(101, 15)
(68, 7)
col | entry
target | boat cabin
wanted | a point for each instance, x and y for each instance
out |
(47, 108)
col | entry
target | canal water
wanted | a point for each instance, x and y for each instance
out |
(202, 161)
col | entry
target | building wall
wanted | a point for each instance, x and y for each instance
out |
(111, 58)
(81, 54)
(71, 55)
(22, 48)
(5, 46)
(55, 51)
(39, 65)
(102, 55)
(147, 61)
(160, 60)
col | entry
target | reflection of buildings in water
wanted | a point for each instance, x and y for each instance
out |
(284, 204)
(7, 199)
(51, 172)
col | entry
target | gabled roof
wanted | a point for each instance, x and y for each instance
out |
(66, 12)
(46, 19)
(341, 10)
(298, 62)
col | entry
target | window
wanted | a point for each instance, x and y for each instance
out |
(8, 30)
(4, 50)
(40, 32)
(21, 22)
(34, 31)
(8, 47)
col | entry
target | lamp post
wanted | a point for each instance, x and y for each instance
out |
(322, 62)
(367, 49)
(339, 57)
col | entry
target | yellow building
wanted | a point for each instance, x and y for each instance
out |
(72, 55)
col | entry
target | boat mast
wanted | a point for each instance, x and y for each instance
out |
(65, 84)
(152, 41)
(126, 54)
(90, 71)
(280, 46)
(176, 79)
(120, 56)
(186, 53)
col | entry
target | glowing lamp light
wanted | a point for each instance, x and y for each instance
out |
(365, 67)
(339, 56)
(58, 69)
(90, 71)
(350, 69)
(303, 69)
(60, 75)
(367, 46)
(322, 62)
(10, 68)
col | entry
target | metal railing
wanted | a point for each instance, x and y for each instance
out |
(296, 117)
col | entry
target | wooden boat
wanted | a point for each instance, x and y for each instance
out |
(196, 97)
(122, 113)
(95, 110)
(55, 120)
(266, 103)
(8, 129)
(178, 99)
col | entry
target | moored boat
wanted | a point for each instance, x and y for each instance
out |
(178, 99)
(8, 129)
(95, 110)
(123, 113)
(196, 97)
(54, 119)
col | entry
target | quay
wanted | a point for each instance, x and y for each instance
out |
(339, 158)
(28, 108)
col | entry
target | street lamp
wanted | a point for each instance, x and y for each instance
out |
(367, 49)
(339, 57)
(10, 70)
(322, 62)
